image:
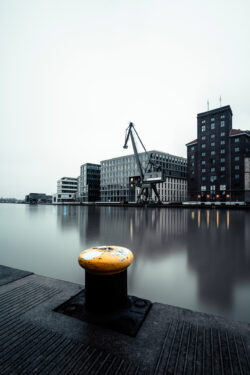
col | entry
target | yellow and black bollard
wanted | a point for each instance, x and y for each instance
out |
(106, 277)
(104, 301)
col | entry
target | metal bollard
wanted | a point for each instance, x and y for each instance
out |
(106, 277)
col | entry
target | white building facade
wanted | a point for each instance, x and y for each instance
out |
(66, 190)
(172, 190)
(117, 175)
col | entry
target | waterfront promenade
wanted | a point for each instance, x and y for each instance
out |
(37, 340)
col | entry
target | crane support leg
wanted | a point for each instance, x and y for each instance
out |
(156, 193)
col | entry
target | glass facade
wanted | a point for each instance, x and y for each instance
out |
(116, 174)
(89, 181)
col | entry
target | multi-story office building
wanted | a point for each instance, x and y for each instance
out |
(218, 159)
(172, 190)
(89, 183)
(119, 176)
(66, 190)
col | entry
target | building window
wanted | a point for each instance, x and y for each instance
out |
(236, 140)
(203, 178)
(203, 138)
(203, 128)
(203, 162)
(236, 158)
(222, 134)
(192, 156)
(213, 178)
(212, 125)
(237, 176)
(212, 136)
(222, 151)
(212, 144)
(222, 124)
(213, 161)
(212, 187)
(212, 153)
(213, 169)
(222, 142)
(203, 145)
(237, 167)
(222, 187)
(203, 188)
(222, 116)
(222, 168)
(222, 160)
(236, 149)
(203, 121)
(203, 170)
(192, 148)
(203, 154)
(212, 118)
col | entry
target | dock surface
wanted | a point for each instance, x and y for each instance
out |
(34, 339)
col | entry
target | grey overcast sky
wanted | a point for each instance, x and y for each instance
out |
(74, 73)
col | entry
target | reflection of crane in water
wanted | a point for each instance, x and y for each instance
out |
(150, 175)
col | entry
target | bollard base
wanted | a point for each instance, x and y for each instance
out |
(127, 320)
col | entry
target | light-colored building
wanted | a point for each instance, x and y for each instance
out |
(66, 190)
(119, 175)
(172, 190)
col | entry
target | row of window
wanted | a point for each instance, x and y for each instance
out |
(212, 119)
(222, 160)
(212, 144)
(222, 168)
(212, 187)
(212, 153)
(212, 136)
(212, 126)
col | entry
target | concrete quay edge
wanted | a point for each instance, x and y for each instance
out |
(172, 340)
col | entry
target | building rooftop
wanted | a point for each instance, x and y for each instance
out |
(239, 132)
(192, 142)
(216, 110)
(148, 152)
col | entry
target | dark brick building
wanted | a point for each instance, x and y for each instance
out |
(218, 161)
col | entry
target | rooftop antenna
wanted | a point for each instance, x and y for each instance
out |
(208, 105)
(220, 101)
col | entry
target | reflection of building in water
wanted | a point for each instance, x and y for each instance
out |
(89, 225)
(221, 259)
(85, 219)
(149, 231)
(66, 217)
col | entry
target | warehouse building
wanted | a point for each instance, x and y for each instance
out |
(219, 159)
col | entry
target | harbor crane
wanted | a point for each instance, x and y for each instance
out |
(150, 175)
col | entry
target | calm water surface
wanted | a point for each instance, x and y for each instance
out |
(197, 259)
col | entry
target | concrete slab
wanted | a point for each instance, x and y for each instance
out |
(8, 274)
(36, 339)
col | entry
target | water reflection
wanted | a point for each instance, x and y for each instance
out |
(198, 259)
(219, 257)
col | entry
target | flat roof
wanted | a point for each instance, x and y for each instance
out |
(216, 110)
(148, 152)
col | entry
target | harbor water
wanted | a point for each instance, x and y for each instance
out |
(196, 259)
